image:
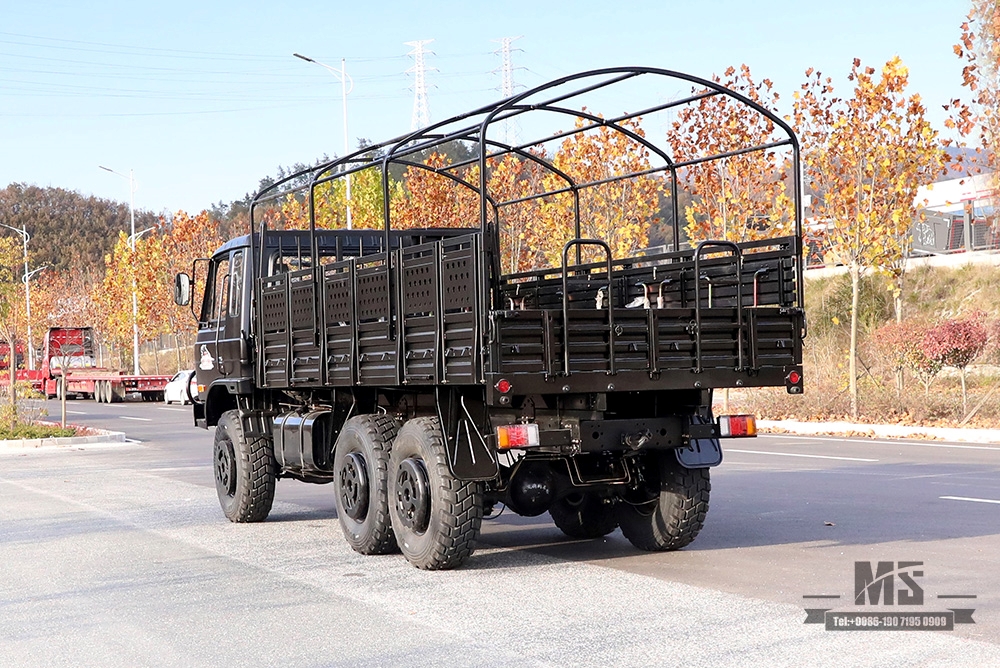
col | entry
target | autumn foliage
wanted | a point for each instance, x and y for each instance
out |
(745, 196)
(978, 116)
(619, 212)
(431, 199)
(865, 157)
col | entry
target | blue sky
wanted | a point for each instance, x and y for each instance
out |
(203, 99)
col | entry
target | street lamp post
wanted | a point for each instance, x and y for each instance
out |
(138, 235)
(27, 295)
(135, 301)
(341, 73)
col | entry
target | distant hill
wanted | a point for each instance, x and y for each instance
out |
(68, 230)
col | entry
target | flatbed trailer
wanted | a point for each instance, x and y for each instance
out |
(107, 385)
(69, 351)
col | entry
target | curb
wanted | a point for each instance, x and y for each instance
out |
(103, 437)
(853, 429)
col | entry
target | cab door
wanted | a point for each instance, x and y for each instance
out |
(222, 351)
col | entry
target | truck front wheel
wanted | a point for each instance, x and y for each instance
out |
(667, 509)
(584, 515)
(436, 517)
(361, 465)
(244, 471)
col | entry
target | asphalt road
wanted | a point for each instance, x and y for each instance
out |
(120, 556)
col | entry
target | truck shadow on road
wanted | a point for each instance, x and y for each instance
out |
(845, 505)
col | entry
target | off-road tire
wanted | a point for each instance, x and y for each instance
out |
(455, 511)
(673, 512)
(370, 437)
(244, 469)
(584, 515)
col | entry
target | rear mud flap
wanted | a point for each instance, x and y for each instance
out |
(463, 419)
(700, 453)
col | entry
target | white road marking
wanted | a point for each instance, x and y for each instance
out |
(126, 417)
(76, 412)
(166, 408)
(968, 498)
(916, 444)
(795, 454)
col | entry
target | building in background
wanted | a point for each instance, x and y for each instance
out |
(958, 216)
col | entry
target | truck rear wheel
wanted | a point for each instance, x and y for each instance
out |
(360, 483)
(435, 516)
(668, 510)
(584, 515)
(244, 471)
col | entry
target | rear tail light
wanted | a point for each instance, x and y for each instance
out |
(517, 436)
(793, 381)
(736, 426)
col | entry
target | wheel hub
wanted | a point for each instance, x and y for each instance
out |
(413, 499)
(224, 468)
(353, 478)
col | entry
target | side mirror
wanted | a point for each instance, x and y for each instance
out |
(182, 289)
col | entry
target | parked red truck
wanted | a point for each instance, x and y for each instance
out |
(70, 350)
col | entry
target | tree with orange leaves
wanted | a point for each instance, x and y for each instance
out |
(979, 117)
(742, 197)
(618, 212)
(866, 156)
(331, 204)
(189, 238)
(979, 49)
(11, 313)
(144, 269)
(429, 199)
(512, 178)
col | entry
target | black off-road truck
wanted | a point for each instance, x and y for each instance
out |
(432, 386)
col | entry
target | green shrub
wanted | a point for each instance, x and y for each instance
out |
(34, 431)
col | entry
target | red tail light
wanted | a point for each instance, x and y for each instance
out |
(737, 426)
(517, 436)
(793, 382)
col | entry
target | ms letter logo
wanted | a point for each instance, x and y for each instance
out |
(882, 585)
(870, 587)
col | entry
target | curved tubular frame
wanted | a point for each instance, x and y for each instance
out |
(473, 127)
